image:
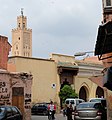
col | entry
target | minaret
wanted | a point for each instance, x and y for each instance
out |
(107, 10)
(22, 38)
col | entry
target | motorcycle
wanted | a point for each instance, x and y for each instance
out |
(50, 116)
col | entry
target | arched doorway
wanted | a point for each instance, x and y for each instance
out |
(83, 93)
(99, 92)
(66, 72)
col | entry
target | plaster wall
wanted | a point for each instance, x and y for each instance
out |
(62, 58)
(45, 74)
(44, 77)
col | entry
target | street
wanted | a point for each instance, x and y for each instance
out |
(58, 117)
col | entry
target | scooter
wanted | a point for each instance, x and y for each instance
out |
(50, 116)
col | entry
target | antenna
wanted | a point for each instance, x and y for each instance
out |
(22, 11)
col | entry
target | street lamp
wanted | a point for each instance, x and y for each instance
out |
(82, 53)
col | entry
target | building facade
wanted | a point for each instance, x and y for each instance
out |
(107, 62)
(107, 10)
(49, 75)
(15, 88)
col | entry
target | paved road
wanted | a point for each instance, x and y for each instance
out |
(58, 117)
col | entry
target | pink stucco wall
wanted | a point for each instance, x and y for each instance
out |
(5, 91)
(10, 80)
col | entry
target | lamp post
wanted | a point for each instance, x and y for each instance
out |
(82, 54)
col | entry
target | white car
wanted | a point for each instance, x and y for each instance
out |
(73, 101)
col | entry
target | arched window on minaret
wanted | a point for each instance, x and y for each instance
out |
(23, 25)
(16, 47)
(19, 25)
(108, 2)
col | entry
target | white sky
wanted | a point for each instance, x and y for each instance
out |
(58, 26)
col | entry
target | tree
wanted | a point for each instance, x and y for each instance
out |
(67, 92)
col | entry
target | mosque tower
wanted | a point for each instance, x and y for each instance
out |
(22, 38)
(107, 10)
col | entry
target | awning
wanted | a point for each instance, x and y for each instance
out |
(104, 39)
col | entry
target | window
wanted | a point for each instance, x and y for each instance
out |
(97, 105)
(14, 110)
(19, 25)
(17, 91)
(2, 110)
(67, 102)
(72, 101)
(15, 53)
(108, 2)
(18, 52)
(9, 111)
(23, 25)
(16, 47)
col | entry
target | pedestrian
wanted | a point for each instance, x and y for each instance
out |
(104, 111)
(64, 110)
(69, 112)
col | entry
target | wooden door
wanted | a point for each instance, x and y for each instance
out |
(18, 98)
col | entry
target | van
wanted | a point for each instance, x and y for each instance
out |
(73, 101)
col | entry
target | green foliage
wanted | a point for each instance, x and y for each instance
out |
(67, 92)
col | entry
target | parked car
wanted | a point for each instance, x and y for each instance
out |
(73, 101)
(90, 111)
(40, 109)
(101, 100)
(10, 113)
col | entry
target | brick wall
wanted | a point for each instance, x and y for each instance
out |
(5, 47)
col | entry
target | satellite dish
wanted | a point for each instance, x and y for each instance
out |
(53, 85)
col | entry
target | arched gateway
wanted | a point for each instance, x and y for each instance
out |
(99, 92)
(83, 93)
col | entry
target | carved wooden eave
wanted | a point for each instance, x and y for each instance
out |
(67, 66)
